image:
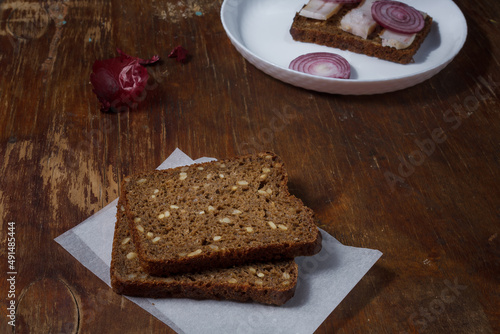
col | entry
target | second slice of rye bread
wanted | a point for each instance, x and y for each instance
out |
(217, 214)
(267, 283)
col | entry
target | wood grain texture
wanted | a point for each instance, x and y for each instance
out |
(413, 173)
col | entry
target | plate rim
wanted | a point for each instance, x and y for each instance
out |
(420, 75)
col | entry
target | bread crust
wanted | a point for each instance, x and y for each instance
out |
(330, 34)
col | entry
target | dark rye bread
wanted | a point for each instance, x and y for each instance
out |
(330, 34)
(217, 214)
(267, 283)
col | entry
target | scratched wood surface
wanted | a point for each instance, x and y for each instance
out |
(414, 174)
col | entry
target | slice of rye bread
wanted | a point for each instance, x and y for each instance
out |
(217, 214)
(329, 33)
(267, 283)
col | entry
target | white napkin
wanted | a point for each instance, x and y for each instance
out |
(324, 280)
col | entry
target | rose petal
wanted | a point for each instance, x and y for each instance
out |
(180, 53)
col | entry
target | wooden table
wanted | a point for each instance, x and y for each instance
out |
(413, 173)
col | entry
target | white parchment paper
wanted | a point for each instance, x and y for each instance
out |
(324, 280)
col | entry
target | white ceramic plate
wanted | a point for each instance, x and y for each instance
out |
(259, 30)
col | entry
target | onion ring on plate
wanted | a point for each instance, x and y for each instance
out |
(323, 64)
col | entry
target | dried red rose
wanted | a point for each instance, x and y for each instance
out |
(179, 53)
(119, 82)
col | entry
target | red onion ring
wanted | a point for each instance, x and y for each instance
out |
(397, 16)
(323, 64)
